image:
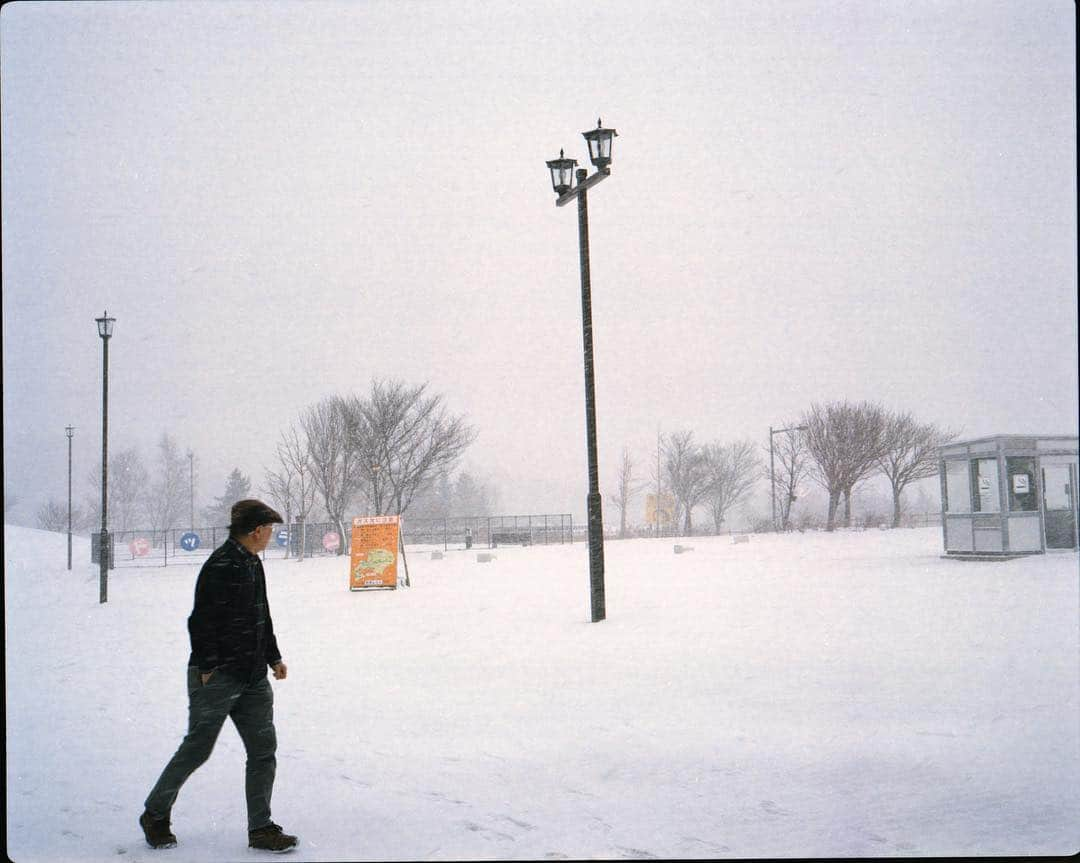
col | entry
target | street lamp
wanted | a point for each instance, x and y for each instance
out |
(191, 489)
(105, 330)
(70, 434)
(772, 469)
(562, 169)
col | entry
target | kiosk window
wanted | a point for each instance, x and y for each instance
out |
(957, 486)
(1021, 484)
(984, 492)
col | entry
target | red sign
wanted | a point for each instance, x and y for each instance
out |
(331, 541)
(139, 547)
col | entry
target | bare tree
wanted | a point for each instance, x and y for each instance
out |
(294, 455)
(128, 480)
(11, 500)
(732, 470)
(403, 439)
(334, 462)
(279, 486)
(687, 475)
(663, 511)
(53, 516)
(167, 497)
(791, 464)
(627, 490)
(845, 441)
(912, 454)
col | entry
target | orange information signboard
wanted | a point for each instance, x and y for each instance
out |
(373, 562)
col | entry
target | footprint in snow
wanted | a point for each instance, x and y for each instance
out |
(635, 853)
(524, 825)
(476, 828)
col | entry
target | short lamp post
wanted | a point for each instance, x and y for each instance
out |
(563, 174)
(70, 434)
(772, 468)
(105, 330)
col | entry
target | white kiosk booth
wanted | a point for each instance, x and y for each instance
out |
(1009, 495)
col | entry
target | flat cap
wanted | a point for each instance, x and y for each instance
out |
(248, 514)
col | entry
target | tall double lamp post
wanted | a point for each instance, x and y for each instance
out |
(105, 330)
(563, 174)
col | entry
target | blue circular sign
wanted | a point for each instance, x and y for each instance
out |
(189, 541)
(283, 537)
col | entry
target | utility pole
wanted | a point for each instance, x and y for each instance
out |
(658, 479)
(191, 488)
(772, 480)
(70, 434)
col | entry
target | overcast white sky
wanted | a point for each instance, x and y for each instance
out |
(278, 201)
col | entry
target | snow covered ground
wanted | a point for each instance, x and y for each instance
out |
(804, 695)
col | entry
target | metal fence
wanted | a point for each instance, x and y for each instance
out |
(176, 546)
(187, 546)
(490, 531)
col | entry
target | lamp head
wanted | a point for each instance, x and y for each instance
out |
(105, 325)
(562, 173)
(600, 140)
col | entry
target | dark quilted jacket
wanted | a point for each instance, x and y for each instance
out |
(230, 625)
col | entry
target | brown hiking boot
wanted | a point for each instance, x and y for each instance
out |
(271, 838)
(156, 831)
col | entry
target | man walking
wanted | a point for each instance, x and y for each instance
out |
(232, 644)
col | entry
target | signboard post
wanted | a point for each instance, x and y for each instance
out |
(374, 552)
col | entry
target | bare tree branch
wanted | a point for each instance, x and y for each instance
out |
(687, 474)
(403, 439)
(628, 488)
(791, 465)
(845, 441)
(733, 469)
(167, 497)
(334, 461)
(912, 454)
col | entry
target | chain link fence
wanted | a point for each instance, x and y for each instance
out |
(192, 546)
(490, 531)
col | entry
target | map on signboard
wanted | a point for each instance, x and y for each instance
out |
(376, 560)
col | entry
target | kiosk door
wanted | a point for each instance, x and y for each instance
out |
(1059, 505)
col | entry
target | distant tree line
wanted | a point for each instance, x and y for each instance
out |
(140, 497)
(715, 475)
(836, 445)
(391, 450)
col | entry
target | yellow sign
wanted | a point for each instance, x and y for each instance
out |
(667, 509)
(373, 562)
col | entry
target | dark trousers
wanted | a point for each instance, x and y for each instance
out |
(250, 705)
